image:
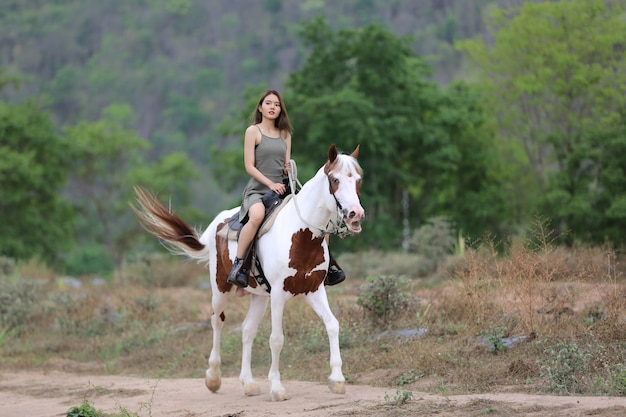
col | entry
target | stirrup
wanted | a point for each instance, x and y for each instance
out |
(238, 276)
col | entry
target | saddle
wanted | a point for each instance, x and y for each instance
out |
(271, 211)
(273, 203)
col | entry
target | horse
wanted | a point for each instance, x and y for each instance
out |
(293, 255)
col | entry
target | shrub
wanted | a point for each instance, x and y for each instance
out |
(401, 397)
(494, 337)
(433, 242)
(384, 298)
(89, 260)
(84, 410)
(618, 382)
(77, 314)
(17, 300)
(564, 367)
(7, 266)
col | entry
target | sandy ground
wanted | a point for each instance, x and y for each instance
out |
(53, 393)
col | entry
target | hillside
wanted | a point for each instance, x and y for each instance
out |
(182, 64)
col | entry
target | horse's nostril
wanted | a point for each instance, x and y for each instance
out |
(352, 214)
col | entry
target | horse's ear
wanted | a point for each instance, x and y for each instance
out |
(355, 152)
(332, 153)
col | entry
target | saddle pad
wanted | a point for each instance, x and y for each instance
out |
(230, 234)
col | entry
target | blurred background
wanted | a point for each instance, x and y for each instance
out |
(476, 117)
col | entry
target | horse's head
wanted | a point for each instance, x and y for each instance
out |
(344, 178)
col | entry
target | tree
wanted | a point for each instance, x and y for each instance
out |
(555, 77)
(108, 163)
(368, 87)
(34, 164)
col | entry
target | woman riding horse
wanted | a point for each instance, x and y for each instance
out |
(267, 152)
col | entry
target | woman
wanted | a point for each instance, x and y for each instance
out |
(266, 155)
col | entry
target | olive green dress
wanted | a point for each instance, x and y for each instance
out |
(269, 158)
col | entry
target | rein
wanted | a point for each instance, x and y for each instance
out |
(334, 226)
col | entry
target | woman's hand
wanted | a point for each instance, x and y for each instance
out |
(278, 187)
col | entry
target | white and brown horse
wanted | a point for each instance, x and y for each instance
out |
(294, 258)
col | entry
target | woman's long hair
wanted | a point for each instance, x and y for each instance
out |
(282, 121)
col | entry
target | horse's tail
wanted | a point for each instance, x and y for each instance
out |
(178, 236)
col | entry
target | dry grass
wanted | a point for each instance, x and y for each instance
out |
(546, 293)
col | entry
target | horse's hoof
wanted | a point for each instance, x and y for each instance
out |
(337, 387)
(212, 384)
(279, 396)
(252, 389)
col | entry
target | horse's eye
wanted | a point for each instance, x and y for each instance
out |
(336, 181)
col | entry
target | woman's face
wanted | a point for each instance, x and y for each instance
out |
(270, 106)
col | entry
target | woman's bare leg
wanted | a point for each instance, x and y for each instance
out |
(255, 217)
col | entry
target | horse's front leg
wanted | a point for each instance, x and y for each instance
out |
(277, 339)
(256, 311)
(319, 302)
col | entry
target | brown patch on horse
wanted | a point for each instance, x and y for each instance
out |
(332, 186)
(305, 254)
(224, 263)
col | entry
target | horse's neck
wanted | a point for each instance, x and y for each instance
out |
(312, 202)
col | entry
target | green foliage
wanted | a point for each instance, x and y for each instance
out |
(554, 78)
(594, 201)
(89, 259)
(618, 382)
(157, 59)
(109, 161)
(564, 366)
(34, 163)
(408, 378)
(86, 409)
(368, 87)
(401, 397)
(494, 337)
(105, 153)
(384, 298)
(433, 242)
(550, 76)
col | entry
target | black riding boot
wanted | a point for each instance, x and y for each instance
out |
(335, 274)
(238, 276)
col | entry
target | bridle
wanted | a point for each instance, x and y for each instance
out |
(335, 225)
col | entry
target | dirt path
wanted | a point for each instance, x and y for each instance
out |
(52, 393)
